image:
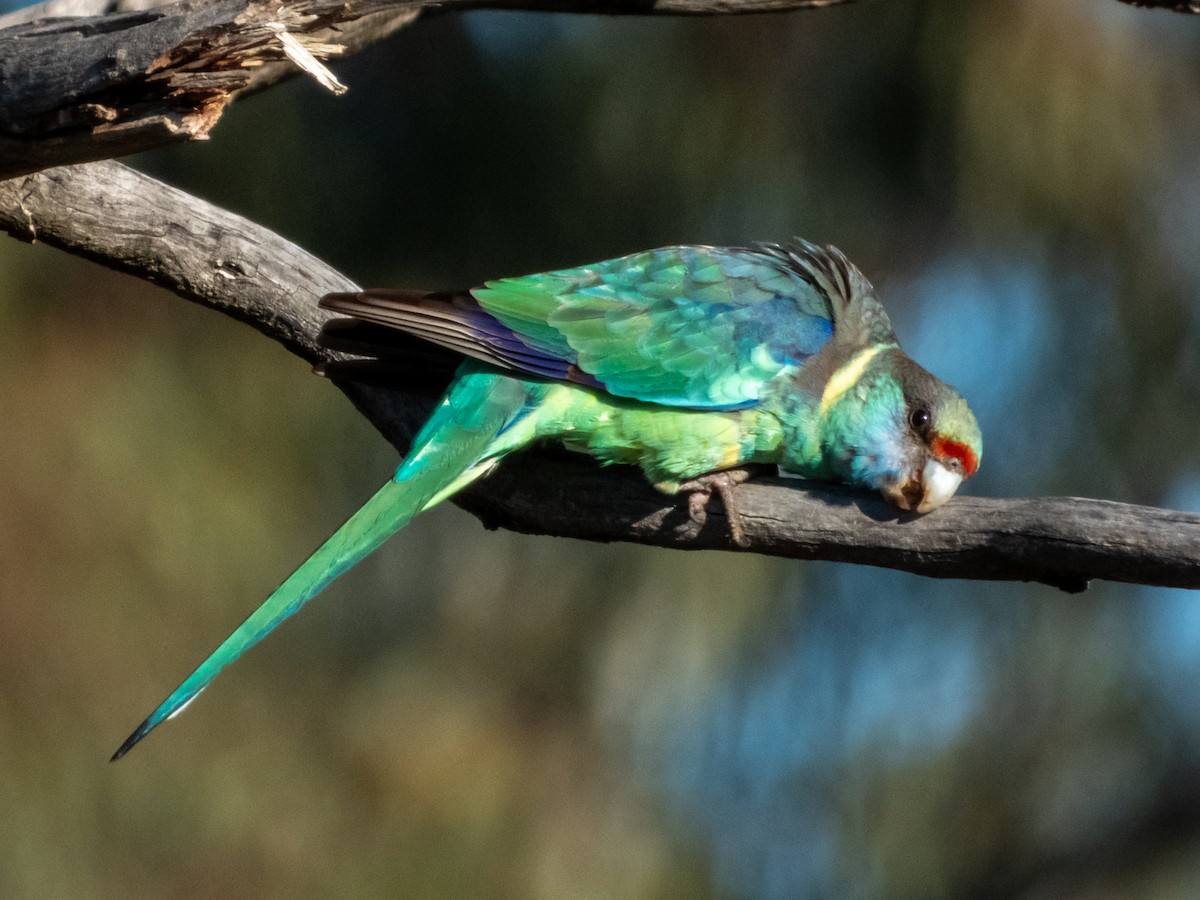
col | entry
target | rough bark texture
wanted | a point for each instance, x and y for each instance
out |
(120, 218)
(83, 80)
(80, 89)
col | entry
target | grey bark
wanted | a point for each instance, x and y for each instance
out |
(128, 221)
(83, 80)
(80, 89)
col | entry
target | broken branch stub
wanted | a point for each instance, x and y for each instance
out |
(102, 86)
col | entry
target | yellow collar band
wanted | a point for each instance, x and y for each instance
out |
(848, 374)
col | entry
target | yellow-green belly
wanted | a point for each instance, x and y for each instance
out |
(670, 445)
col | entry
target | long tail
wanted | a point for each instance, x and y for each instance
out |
(468, 432)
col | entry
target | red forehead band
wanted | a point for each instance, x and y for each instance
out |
(944, 447)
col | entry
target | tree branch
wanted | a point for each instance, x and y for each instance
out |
(1183, 6)
(83, 80)
(81, 89)
(128, 221)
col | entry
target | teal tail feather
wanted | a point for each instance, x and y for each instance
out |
(465, 436)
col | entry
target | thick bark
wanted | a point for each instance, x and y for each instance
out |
(126, 220)
(83, 80)
(80, 89)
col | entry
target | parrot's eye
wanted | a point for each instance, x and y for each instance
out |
(919, 418)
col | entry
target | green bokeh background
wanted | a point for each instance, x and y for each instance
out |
(482, 714)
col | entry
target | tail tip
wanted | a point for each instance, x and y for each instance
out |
(133, 740)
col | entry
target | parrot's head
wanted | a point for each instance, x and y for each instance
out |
(896, 428)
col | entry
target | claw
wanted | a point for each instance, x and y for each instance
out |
(700, 493)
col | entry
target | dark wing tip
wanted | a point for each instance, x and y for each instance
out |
(829, 260)
(338, 302)
(824, 267)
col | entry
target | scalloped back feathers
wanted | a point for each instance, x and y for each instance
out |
(698, 327)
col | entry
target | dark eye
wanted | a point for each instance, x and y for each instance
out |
(919, 418)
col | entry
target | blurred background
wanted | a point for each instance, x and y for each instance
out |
(482, 714)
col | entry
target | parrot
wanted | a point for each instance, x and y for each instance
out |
(694, 363)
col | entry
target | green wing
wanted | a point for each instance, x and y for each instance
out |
(701, 327)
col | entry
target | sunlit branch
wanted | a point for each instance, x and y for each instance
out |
(129, 221)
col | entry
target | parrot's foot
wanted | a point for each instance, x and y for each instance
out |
(700, 491)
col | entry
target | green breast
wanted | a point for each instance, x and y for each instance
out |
(669, 444)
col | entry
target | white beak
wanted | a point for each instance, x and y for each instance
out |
(936, 485)
(940, 485)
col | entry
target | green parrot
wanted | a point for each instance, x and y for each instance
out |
(689, 362)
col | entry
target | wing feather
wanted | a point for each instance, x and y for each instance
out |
(701, 327)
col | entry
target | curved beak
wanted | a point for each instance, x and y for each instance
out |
(934, 486)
